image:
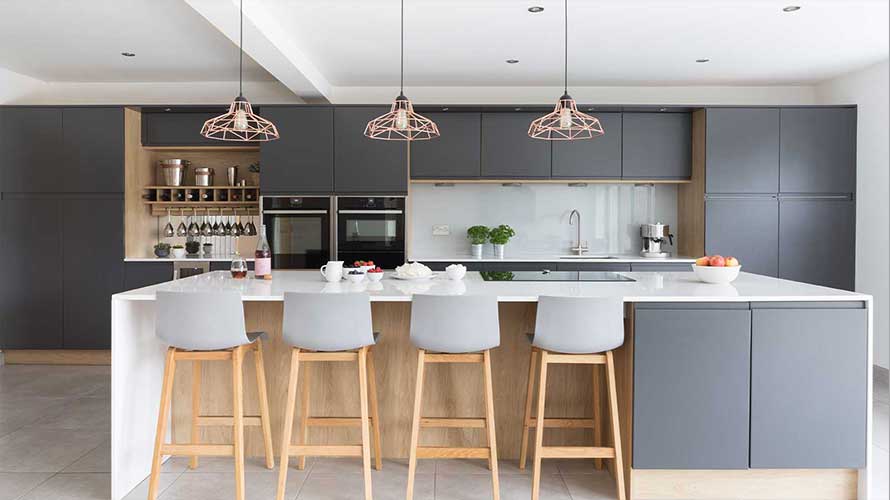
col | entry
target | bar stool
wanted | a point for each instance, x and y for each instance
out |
(208, 326)
(574, 330)
(324, 327)
(454, 329)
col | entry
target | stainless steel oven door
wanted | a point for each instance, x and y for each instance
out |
(370, 230)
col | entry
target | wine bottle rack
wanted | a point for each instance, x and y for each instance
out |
(241, 199)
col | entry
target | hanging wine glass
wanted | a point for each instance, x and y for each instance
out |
(206, 229)
(168, 229)
(181, 229)
(193, 230)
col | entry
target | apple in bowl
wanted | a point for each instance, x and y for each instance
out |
(717, 269)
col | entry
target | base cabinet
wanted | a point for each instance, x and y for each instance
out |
(142, 274)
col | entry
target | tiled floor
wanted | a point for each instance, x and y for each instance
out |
(54, 445)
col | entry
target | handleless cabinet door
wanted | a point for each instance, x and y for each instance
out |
(809, 388)
(31, 150)
(93, 268)
(818, 152)
(31, 305)
(568, 265)
(302, 160)
(661, 267)
(93, 150)
(181, 128)
(507, 150)
(453, 155)
(599, 157)
(691, 388)
(657, 146)
(817, 241)
(141, 274)
(745, 228)
(742, 150)
(364, 165)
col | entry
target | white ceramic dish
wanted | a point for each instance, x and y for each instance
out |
(456, 272)
(178, 253)
(413, 278)
(355, 278)
(374, 277)
(716, 275)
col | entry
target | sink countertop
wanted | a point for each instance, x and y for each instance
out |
(542, 257)
(195, 258)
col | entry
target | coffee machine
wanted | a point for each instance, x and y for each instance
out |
(654, 236)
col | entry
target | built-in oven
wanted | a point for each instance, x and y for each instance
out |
(371, 228)
(298, 229)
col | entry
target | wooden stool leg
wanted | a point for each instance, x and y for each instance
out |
(415, 424)
(539, 429)
(597, 415)
(238, 419)
(489, 424)
(526, 421)
(264, 403)
(366, 432)
(616, 430)
(161, 431)
(288, 421)
(196, 410)
(304, 413)
(375, 414)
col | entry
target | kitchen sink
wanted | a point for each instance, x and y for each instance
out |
(585, 256)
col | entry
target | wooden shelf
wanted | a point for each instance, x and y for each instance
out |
(551, 181)
(201, 187)
(201, 198)
(201, 148)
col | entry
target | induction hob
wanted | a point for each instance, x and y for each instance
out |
(553, 276)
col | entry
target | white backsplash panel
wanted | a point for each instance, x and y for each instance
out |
(611, 215)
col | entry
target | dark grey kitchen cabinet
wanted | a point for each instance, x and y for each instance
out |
(92, 268)
(227, 266)
(599, 157)
(180, 126)
(453, 155)
(691, 386)
(507, 150)
(302, 160)
(657, 146)
(742, 150)
(142, 274)
(364, 165)
(745, 228)
(31, 305)
(818, 150)
(93, 149)
(817, 241)
(31, 150)
(568, 265)
(809, 386)
(661, 267)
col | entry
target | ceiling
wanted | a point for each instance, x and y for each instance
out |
(82, 41)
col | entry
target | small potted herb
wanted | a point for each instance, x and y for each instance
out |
(162, 250)
(193, 247)
(478, 236)
(499, 237)
(178, 251)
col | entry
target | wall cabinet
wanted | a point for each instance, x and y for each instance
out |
(817, 241)
(657, 146)
(599, 157)
(742, 150)
(364, 165)
(746, 228)
(141, 274)
(818, 150)
(31, 146)
(453, 155)
(180, 127)
(691, 386)
(93, 150)
(302, 160)
(507, 150)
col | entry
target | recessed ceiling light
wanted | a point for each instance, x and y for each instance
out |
(128, 54)
(512, 61)
(517, 109)
(792, 8)
(534, 9)
(702, 60)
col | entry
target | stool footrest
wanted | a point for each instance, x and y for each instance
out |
(335, 421)
(453, 358)
(455, 423)
(308, 450)
(577, 452)
(575, 423)
(446, 452)
(228, 421)
(199, 450)
(576, 359)
(328, 356)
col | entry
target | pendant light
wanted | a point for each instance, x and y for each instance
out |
(402, 123)
(565, 122)
(240, 123)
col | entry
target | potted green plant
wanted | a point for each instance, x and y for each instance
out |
(499, 237)
(478, 236)
(178, 251)
(162, 250)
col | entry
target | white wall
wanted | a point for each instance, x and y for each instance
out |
(14, 86)
(869, 88)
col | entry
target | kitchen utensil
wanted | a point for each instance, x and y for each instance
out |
(332, 271)
(232, 175)
(654, 236)
(181, 229)
(173, 169)
(204, 176)
(168, 229)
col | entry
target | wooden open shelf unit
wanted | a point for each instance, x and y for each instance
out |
(205, 199)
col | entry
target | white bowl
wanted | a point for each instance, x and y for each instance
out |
(716, 275)
(456, 272)
(178, 253)
(365, 269)
(374, 277)
(355, 278)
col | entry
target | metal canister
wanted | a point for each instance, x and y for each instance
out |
(232, 173)
(204, 176)
(173, 169)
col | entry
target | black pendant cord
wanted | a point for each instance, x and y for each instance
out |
(402, 52)
(241, 49)
(566, 53)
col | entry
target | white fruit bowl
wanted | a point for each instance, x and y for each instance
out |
(716, 275)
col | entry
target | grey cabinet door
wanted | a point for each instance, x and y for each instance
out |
(817, 241)
(93, 268)
(31, 299)
(691, 388)
(742, 150)
(808, 388)
(746, 228)
(453, 155)
(93, 148)
(661, 267)
(180, 128)
(507, 150)
(818, 152)
(302, 160)
(657, 146)
(599, 157)
(31, 150)
(142, 274)
(591, 266)
(363, 165)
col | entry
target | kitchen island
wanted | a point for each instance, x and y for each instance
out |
(757, 389)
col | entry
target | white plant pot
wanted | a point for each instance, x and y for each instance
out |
(477, 251)
(499, 251)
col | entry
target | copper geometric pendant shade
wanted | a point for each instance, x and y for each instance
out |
(402, 124)
(240, 123)
(565, 123)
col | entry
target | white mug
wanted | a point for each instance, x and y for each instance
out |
(332, 271)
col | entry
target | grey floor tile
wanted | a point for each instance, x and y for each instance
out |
(385, 485)
(175, 465)
(81, 413)
(227, 464)
(460, 466)
(220, 485)
(478, 487)
(73, 487)
(141, 492)
(880, 480)
(578, 466)
(880, 424)
(98, 460)
(46, 450)
(353, 465)
(17, 411)
(54, 381)
(599, 486)
(15, 484)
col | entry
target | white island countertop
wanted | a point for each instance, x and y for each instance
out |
(648, 287)
(589, 257)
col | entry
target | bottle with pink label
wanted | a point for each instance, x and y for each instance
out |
(262, 264)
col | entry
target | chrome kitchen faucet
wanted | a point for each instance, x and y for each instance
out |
(580, 248)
